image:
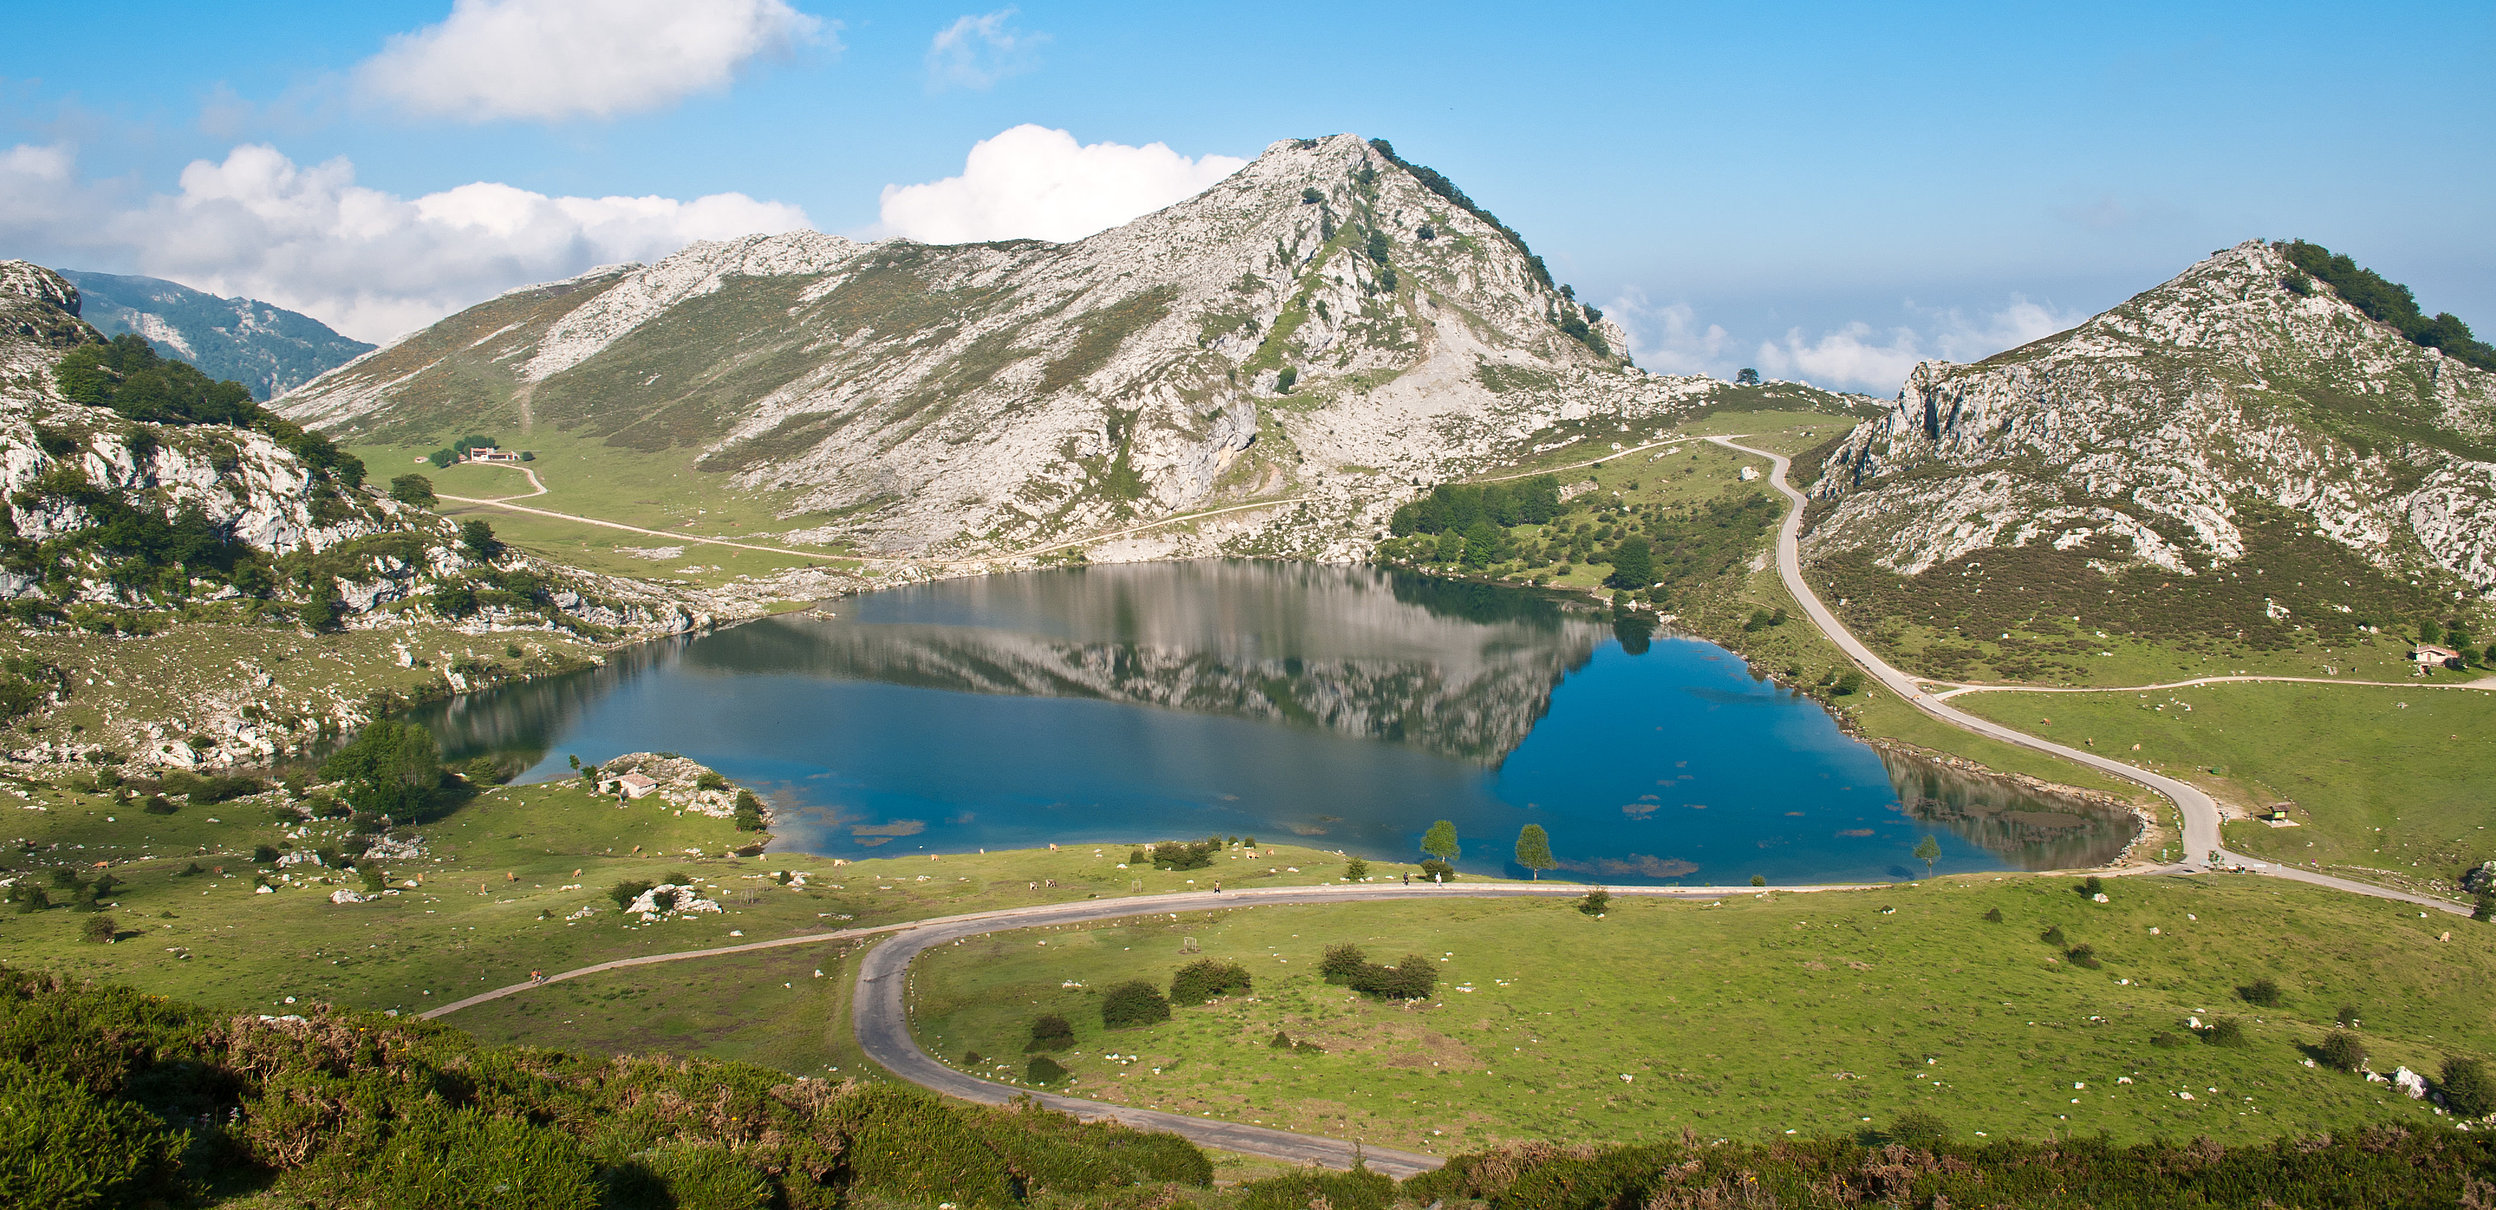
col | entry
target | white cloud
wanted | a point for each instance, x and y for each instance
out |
(1031, 182)
(976, 52)
(1855, 356)
(1669, 339)
(552, 59)
(369, 263)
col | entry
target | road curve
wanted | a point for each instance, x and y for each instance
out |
(879, 1013)
(2200, 812)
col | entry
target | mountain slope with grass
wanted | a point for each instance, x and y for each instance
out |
(1331, 326)
(2271, 451)
(137, 494)
(268, 349)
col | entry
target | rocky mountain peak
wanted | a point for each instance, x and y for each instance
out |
(1329, 321)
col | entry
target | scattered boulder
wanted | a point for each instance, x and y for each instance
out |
(2410, 1083)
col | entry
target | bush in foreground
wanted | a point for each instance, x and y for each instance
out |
(1134, 1003)
(355, 1111)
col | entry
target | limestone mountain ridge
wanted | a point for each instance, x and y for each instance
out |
(2241, 398)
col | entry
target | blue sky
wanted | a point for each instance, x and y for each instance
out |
(1850, 185)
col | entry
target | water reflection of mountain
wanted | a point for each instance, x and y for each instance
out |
(1457, 670)
(2030, 830)
(517, 720)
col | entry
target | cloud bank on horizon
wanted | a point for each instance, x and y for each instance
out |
(369, 263)
(550, 60)
(1031, 182)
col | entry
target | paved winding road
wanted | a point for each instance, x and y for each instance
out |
(880, 1016)
(2200, 812)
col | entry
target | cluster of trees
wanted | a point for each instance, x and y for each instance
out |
(127, 376)
(1459, 507)
(391, 768)
(113, 1098)
(2386, 302)
(1413, 978)
(1180, 854)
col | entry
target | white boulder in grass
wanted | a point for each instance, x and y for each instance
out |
(2410, 1083)
(681, 899)
(345, 896)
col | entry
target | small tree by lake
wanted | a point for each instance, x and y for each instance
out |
(1928, 851)
(1534, 850)
(1440, 841)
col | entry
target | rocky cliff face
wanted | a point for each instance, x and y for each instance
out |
(267, 348)
(1328, 327)
(2152, 434)
(101, 513)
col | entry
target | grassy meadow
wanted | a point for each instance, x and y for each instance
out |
(1755, 1017)
(513, 880)
(2388, 784)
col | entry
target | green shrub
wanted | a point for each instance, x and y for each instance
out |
(906, 1145)
(158, 804)
(2468, 1087)
(1050, 1031)
(484, 771)
(1993, 915)
(1359, 1189)
(706, 1178)
(749, 815)
(2053, 935)
(465, 1160)
(2341, 1051)
(1596, 902)
(1280, 1041)
(1186, 855)
(2264, 991)
(710, 780)
(2224, 1031)
(1918, 1128)
(1356, 869)
(2083, 955)
(1134, 1003)
(2091, 887)
(1044, 1070)
(63, 1147)
(630, 889)
(1437, 871)
(1206, 978)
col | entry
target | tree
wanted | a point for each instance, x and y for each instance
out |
(1284, 378)
(1928, 851)
(479, 538)
(1596, 902)
(1356, 869)
(99, 930)
(2263, 991)
(413, 489)
(390, 768)
(749, 816)
(1534, 849)
(1633, 564)
(1748, 377)
(2469, 1089)
(1440, 841)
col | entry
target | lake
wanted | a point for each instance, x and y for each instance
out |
(1342, 707)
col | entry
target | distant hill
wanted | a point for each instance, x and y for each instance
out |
(2245, 453)
(266, 348)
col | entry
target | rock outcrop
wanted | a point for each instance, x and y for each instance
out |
(2143, 436)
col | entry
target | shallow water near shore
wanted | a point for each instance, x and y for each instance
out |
(1345, 708)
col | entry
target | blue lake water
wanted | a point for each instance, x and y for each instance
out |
(1346, 708)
